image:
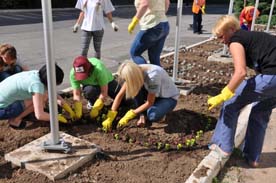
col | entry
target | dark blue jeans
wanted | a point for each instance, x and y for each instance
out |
(152, 40)
(14, 70)
(197, 20)
(13, 110)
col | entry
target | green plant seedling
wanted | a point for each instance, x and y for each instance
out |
(98, 119)
(200, 132)
(159, 145)
(130, 140)
(116, 136)
(179, 146)
(146, 144)
(103, 116)
(188, 142)
(167, 147)
(192, 142)
(197, 137)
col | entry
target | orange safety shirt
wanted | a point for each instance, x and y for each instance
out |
(197, 4)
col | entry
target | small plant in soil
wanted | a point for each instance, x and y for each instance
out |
(159, 145)
(179, 147)
(116, 136)
(167, 147)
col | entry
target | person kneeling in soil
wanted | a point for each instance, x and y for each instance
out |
(9, 63)
(153, 90)
(256, 50)
(26, 92)
(91, 77)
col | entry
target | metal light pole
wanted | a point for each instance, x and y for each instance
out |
(254, 15)
(55, 143)
(176, 43)
(270, 16)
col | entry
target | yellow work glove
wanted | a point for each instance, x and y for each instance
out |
(132, 24)
(203, 9)
(68, 109)
(78, 109)
(98, 105)
(107, 124)
(62, 119)
(225, 94)
(124, 120)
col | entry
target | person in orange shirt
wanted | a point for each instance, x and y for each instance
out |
(246, 17)
(198, 9)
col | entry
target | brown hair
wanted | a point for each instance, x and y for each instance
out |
(8, 49)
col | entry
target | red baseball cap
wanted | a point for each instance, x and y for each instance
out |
(82, 68)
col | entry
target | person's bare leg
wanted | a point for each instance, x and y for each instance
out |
(29, 108)
(142, 121)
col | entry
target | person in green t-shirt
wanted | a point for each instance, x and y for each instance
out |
(91, 77)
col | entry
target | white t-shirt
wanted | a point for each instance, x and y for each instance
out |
(93, 13)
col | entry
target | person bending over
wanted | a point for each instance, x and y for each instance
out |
(26, 92)
(153, 89)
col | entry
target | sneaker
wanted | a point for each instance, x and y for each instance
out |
(89, 105)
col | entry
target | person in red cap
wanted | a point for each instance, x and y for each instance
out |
(91, 77)
(246, 17)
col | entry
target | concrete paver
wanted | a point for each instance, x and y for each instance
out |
(52, 164)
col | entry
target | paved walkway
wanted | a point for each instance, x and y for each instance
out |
(237, 171)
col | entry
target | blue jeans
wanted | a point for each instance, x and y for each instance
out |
(260, 91)
(160, 107)
(152, 40)
(12, 110)
(14, 70)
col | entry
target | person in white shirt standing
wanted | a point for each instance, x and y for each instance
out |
(91, 17)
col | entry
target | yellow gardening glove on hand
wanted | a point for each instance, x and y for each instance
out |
(225, 94)
(107, 124)
(62, 119)
(203, 9)
(98, 105)
(124, 120)
(132, 24)
(78, 109)
(68, 109)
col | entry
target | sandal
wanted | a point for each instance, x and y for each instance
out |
(221, 154)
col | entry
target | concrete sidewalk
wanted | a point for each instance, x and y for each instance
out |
(237, 171)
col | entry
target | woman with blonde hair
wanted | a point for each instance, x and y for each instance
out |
(256, 50)
(153, 90)
(9, 64)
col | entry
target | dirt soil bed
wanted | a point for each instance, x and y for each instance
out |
(167, 151)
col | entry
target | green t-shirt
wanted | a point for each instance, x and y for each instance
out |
(99, 75)
(19, 87)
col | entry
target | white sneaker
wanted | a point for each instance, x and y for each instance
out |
(89, 105)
